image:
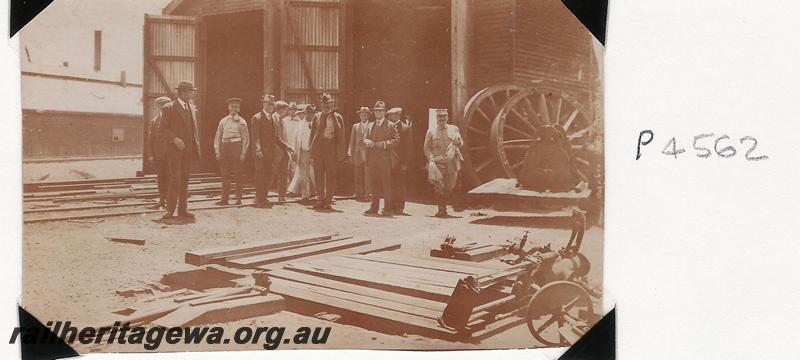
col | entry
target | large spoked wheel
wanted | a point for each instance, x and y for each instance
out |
(480, 164)
(560, 313)
(518, 122)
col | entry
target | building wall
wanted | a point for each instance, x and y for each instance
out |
(62, 134)
(69, 106)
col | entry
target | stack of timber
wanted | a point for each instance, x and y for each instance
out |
(272, 253)
(187, 307)
(472, 252)
(394, 293)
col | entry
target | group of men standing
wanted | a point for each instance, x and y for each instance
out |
(380, 150)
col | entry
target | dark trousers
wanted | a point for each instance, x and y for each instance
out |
(359, 179)
(231, 168)
(281, 171)
(178, 192)
(325, 171)
(399, 189)
(263, 178)
(162, 179)
(380, 180)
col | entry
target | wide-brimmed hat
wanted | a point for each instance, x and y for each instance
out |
(363, 109)
(281, 104)
(310, 108)
(162, 100)
(325, 98)
(185, 85)
(300, 109)
(396, 110)
(380, 105)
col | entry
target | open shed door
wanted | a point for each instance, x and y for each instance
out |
(313, 49)
(170, 55)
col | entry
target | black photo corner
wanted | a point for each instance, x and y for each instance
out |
(599, 343)
(31, 349)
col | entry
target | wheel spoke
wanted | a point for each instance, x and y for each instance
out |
(517, 130)
(494, 102)
(558, 109)
(523, 119)
(517, 141)
(483, 165)
(543, 109)
(546, 324)
(572, 303)
(517, 165)
(479, 148)
(578, 134)
(479, 131)
(483, 114)
(570, 120)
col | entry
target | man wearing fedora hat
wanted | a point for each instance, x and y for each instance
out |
(380, 139)
(230, 147)
(328, 149)
(357, 152)
(179, 131)
(156, 150)
(267, 143)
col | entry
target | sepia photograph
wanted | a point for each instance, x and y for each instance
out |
(232, 175)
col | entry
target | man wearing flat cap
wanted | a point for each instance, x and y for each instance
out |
(179, 131)
(328, 149)
(268, 144)
(357, 152)
(443, 151)
(230, 147)
(156, 151)
(380, 139)
(404, 151)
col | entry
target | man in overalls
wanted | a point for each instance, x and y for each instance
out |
(230, 147)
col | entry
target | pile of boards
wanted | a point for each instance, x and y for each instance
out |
(369, 285)
(186, 307)
(270, 254)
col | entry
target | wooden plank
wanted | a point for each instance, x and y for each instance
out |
(254, 261)
(367, 249)
(482, 254)
(372, 301)
(457, 267)
(431, 276)
(386, 271)
(431, 292)
(290, 290)
(363, 290)
(285, 248)
(224, 311)
(201, 257)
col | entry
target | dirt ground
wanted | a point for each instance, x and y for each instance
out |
(71, 272)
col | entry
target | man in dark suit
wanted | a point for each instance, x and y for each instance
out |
(156, 150)
(179, 131)
(381, 138)
(328, 149)
(267, 142)
(403, 154)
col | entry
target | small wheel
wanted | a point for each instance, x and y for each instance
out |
(560, 313)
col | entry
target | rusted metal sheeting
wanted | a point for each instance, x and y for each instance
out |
(312, 49)
(552, 46)
(491, 50)
(173, 51)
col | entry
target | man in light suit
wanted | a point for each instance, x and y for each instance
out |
(328, 149)
(357, 152)
(156, 150)
(179, 131)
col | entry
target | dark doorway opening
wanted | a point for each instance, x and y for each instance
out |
(234, 68)
(401, 55)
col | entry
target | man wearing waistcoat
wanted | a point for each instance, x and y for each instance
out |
(380, 139)
(328, 149)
